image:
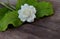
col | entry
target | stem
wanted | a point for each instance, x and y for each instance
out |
(10, 5)
(6, 6)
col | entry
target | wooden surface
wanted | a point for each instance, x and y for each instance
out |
(45, 28)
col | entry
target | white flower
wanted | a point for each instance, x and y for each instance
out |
(27, 13)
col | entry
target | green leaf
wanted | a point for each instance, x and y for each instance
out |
(44, 9)
(22, 2)
(10, 18)
(2, 12)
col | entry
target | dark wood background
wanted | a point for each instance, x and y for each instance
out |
(45, 28)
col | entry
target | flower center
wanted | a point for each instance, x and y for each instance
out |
(27, 12)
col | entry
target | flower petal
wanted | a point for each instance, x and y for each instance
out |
(27, 13)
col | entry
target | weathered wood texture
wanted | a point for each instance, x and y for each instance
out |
(45, 28)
